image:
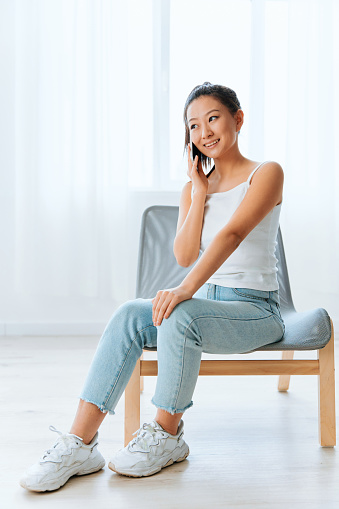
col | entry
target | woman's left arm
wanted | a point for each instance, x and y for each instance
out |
(264, 193)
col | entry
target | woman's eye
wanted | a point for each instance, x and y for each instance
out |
(213, 116)
(193, 126)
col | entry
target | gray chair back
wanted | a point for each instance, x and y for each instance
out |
(158, 268)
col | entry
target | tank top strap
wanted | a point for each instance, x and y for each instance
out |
(253, 172)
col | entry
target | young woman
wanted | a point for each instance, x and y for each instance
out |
(228, 303)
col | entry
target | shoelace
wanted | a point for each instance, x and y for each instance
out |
(144, 433)
(61, 445)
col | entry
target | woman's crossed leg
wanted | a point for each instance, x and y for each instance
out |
(194, 326)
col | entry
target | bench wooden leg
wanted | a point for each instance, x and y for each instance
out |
(132, 404)
(326, 394)
(284, 380)
(142, 378)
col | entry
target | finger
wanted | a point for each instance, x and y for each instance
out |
(171, 305)
(161, 308)
(194, 166)
(189, 152)
(158, 313)
(167, 307)
(155, 303)
(190, 164)
(161, 297)
(155, 299)
(170, 308)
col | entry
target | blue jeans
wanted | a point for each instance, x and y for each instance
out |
(216, 320)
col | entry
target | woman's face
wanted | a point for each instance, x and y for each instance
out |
(213, 129)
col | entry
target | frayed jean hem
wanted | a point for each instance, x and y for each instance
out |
(172, 411)
(101, 407)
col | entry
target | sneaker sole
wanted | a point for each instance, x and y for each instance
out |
(48, 486)
(129, 473)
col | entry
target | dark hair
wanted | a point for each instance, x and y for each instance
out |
(225, 95)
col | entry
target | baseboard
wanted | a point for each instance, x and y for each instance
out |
(51, 329)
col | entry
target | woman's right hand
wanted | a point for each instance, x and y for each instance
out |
(196, 174)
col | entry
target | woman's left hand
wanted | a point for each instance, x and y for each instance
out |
(165, 301)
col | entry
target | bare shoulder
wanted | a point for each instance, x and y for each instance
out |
(270, 173)
(269, 168)
(269, 178)
(273, 166)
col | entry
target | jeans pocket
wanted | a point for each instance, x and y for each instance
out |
(249, 293)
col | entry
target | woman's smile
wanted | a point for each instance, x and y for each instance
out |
(211, 144)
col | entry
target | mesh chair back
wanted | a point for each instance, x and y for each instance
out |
(158, 268)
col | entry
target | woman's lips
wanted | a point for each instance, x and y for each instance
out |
(212, 146)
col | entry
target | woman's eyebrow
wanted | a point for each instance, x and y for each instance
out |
(194, 118)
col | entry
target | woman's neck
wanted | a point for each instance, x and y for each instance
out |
(230, 165)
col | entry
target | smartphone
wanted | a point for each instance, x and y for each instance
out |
(195, 152)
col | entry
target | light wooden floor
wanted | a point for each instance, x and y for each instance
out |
(251, 446)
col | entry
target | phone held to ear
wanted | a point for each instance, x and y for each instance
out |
(195, 152)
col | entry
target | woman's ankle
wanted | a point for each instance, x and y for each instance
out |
(168, 421)
(87, 421)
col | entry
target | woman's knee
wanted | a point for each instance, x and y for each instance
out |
(132, 321)
(180, 325)
(135, 313)
(135, 309)
(184, 312)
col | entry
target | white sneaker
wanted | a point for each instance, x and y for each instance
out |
(69, 456)
(150, 451)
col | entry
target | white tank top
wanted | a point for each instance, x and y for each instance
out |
(253, 264)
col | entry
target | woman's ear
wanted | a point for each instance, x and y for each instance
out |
(239, 119)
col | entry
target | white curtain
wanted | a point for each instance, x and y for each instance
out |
(310, 215)
(69, 222)
(71, 159)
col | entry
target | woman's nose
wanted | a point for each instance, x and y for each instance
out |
(206, 130)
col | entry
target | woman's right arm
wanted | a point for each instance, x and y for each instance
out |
(186, 244)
